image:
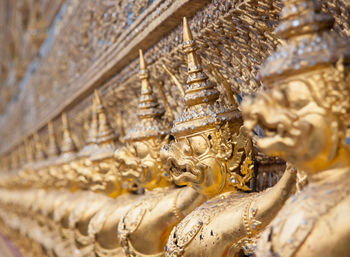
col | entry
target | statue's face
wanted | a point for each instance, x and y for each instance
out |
(83, 170)
(70, 174)
(27, 176)
(192, 161)
(41, 176)
(45, 176)
(129, 167)
(296, 128)
(55, 173)
(140, 163)
(59, 174)
(104, 176)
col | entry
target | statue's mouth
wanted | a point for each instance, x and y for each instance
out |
(183, 170)
(129, 166)
(280, 130)
(98, 186)
(131, 173)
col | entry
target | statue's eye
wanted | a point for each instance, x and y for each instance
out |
(298, 95)
(187, 149)
(278, 95)
(141, 149)
(199, 144)
(299, 104)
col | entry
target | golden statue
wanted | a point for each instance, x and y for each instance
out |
(32, 174)
(140, 167)
(194, 186)
(46, 169)
(63, 177)
(103, 168)
(26, 176)
(82, 163)
(53, 171)
(97, 172)
(305, 114)
(59, 168)
(213, 154)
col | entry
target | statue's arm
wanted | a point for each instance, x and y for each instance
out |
(269, 202)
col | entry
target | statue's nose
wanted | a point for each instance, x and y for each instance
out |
(165, 153)
(251, 110)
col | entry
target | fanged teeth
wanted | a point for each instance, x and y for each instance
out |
(269, 131)
(280, 129)
(175, 171)
(295, 132)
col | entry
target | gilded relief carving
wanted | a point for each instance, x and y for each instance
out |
(213, 154)
(226, 137)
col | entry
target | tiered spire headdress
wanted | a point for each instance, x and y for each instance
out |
(311, 46)
(14, 159)
(39, 151)
(91, 141)
(308, 41)
(149, 112)
(92, 136)
(52, 150)
(202, 111)
(22, 155)
(29, 147)
(105, 136)
(68, 145)
(29, 152)
(40, 156)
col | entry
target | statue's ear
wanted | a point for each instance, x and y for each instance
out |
(335, 140)
(235, 161)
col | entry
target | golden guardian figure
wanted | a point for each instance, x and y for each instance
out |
(163, 205)
(213, 154)
(305, 113)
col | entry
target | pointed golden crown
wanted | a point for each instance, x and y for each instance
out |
(14, 159)
(68, 145)
(8, 161)
(52, 150)
(4, 164)
(202, 111)
(105, 133)
(39, 152)
(29, 148)
(308, 41)
(149, 112)
(22, 154)
(91, 140)
(105, 136)
(92, 135)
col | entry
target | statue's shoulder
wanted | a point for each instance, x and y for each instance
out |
(301, 225)
(133, 216)
(210, 211)
(112, 212)
(99, 219)
(336, 224)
